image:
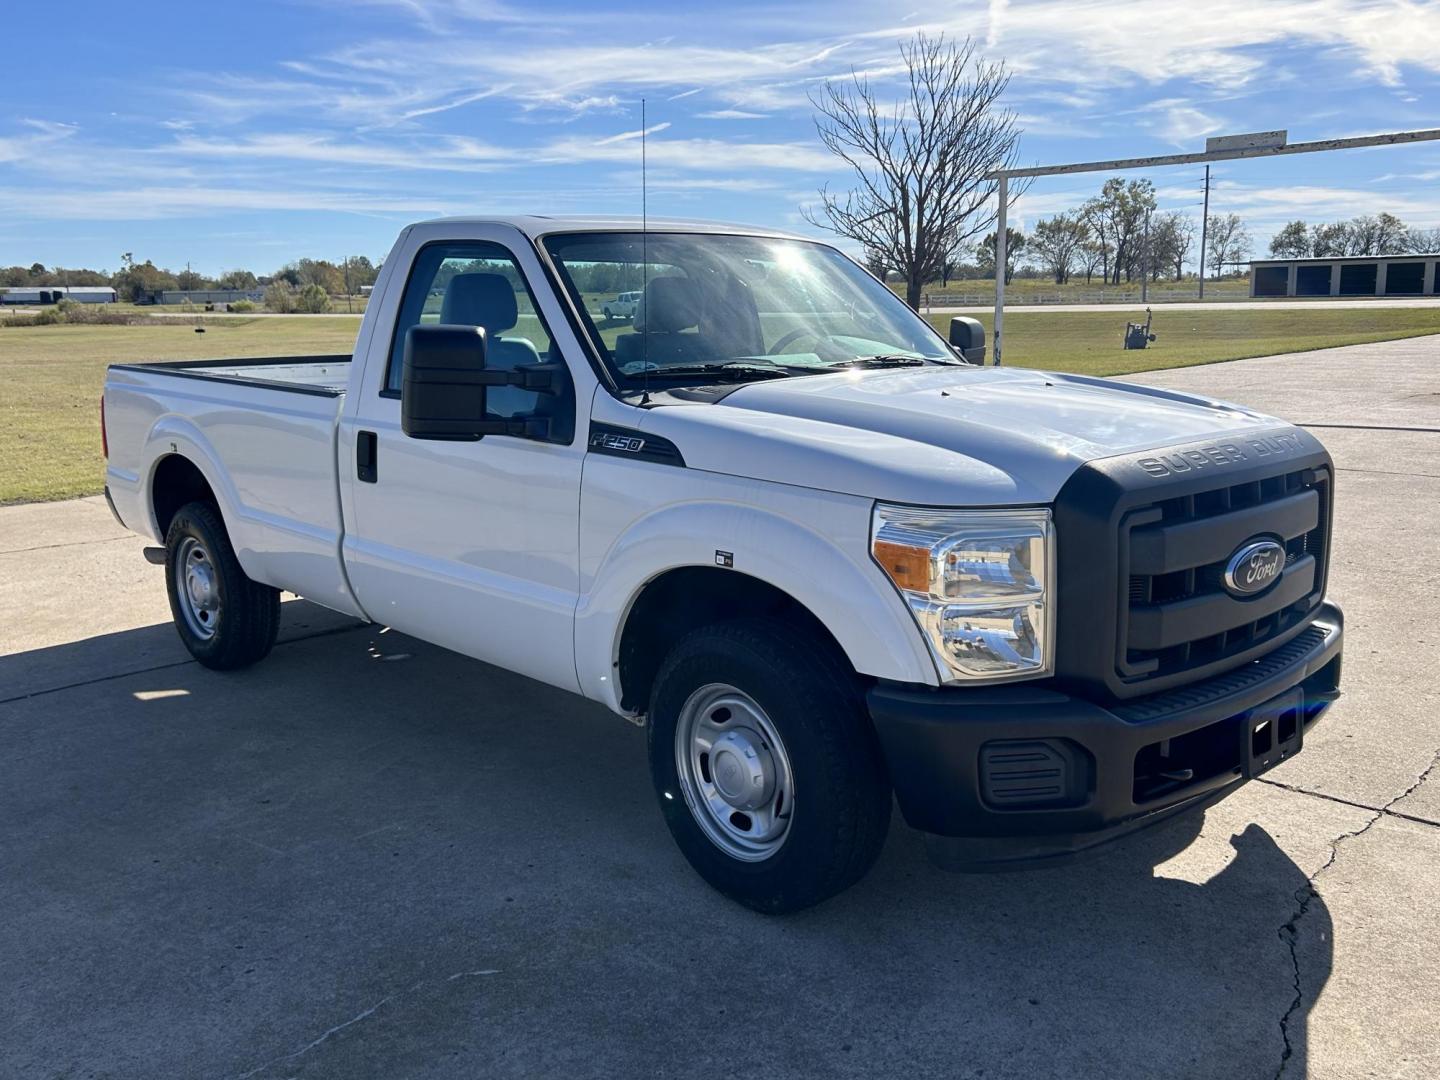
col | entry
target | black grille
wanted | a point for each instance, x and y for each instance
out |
(1179, 615)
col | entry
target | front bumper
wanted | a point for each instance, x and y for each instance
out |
(1032, 773)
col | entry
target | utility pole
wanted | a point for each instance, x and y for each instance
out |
(1204, 230)
(1003, 192)
(1145, 266)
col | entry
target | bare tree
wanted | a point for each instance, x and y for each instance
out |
(1327, 241)
(1425, 241)
(1179, 240)
(919, 164)
(1228, 241)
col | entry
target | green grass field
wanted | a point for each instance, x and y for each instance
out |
(1089, 342)
(52, 375)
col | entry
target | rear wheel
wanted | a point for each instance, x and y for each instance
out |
(224, 618)
(767, 770)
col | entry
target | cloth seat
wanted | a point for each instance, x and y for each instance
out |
(488, 300)
(671, 306)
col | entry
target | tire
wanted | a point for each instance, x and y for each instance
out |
(608, 316)
(226, 620)
(782, 705)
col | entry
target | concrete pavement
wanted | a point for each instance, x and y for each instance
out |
(369, 857)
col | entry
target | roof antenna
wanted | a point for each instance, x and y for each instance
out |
(644, 262)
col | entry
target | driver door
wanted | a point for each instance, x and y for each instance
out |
(470, 545)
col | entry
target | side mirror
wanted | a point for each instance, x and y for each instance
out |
(968, 336)
(445, 381)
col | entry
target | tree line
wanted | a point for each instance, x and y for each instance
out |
(1382, 234)
(1120, 234)
(137, 279)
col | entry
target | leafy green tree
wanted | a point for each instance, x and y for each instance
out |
(237, 279)
(313, 299)
(1291, 242)
(280, 296)
(985, 253)
(1117, 218)
(1055, 244)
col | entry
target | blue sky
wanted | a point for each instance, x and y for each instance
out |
(248, 135)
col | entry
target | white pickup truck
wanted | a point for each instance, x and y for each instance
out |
(828, 557)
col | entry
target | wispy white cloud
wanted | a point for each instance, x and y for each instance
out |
(626, 136)
(730, 114)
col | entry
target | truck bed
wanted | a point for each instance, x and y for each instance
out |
(262, 432)
(327, 375)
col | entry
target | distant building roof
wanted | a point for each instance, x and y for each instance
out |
(85, 289)
(1346, 258)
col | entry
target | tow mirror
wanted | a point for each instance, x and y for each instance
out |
(445, 382)
(968, 337)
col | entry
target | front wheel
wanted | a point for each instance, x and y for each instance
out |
(767, 770)
(225, 619)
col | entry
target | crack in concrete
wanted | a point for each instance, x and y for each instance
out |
(364, 1014)
(1289, 933)
(1417, 819)
(67, 543)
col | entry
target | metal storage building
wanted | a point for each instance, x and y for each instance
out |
(1347, 275)
(53, 294)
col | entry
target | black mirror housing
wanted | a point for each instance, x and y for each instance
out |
(968, 336)
(445, 381)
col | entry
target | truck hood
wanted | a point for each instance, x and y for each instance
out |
(938, 435)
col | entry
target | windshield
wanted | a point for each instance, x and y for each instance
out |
(722, 306)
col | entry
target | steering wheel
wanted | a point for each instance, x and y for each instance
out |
(821, 339)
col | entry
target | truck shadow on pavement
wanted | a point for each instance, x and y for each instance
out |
(369, 857)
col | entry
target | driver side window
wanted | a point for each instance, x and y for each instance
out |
(475, 284)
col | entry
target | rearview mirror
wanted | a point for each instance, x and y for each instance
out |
(968, 336)
(444, 384)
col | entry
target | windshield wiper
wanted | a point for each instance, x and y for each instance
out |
(883, 360)
(732, 368)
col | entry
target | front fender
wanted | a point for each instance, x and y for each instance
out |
(822, 562)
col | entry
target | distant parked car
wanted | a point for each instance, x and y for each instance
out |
(623, 306)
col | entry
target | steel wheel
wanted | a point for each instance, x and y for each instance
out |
(734, 772)
(197, 588)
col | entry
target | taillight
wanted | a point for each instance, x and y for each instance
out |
(104, 435)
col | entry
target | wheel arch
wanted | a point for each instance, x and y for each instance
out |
(183, 467)
(686, 598)
(174, 482)
(742, 560)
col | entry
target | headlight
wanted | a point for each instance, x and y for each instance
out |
(978, 583)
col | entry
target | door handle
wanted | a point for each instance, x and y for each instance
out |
(365, 451)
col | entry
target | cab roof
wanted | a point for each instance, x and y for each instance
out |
(537, 225)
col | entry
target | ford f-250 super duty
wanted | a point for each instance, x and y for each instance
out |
(825, 555)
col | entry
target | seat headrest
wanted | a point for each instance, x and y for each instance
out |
(672, 304)
(486, 300)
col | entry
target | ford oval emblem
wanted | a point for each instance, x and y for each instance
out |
(1254, 567)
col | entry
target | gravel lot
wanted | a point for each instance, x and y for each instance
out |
(371, 858)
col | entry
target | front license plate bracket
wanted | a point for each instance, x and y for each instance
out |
(1272, 733)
